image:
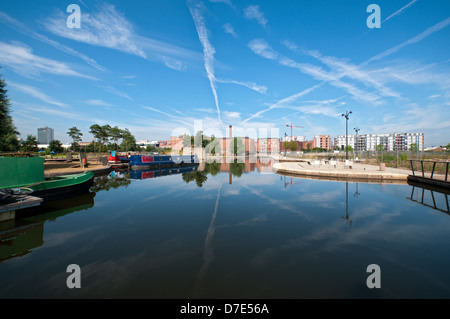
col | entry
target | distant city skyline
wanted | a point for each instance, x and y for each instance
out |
(159, 68)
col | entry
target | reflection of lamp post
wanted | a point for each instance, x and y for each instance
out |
(346, 115)
(356, 193)
(347, 218)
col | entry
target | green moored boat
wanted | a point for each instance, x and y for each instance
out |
(27, 173)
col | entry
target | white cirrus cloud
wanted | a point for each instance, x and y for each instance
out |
(35, 92)
(228, 28)
(251, 85)
(106, 27)
(417, 38)
(21, 59)
(22, 28)
(232, 115)
(228, 2)
(196, 9)
(262, 48)
(400, 10)
(109, 28)
(254, 13)
(113, 90)
(97, 102)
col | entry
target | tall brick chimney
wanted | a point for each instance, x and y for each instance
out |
(231, 135)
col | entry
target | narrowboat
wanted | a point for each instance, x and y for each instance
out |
(117, 159)
(139, 162)
(26, 175)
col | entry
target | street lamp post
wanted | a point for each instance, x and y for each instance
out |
(356, 140)
(285, 144)
(346, 115)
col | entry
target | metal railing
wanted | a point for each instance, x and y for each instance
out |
(432, 193)
(446, 164)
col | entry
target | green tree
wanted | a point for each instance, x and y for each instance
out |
(293, 146)
(95, 130)
(150, 148)
(239, 146)
(75, 134)
(413, 147)
(349, 148)
(187, 141)
(213, 146)
(116, 133)
(199, 177)
(236, 168)
(128, 141)
(105, 134)
(55, 146)
(8, 132)
(30, 144)
(379, 148)
(212, 168)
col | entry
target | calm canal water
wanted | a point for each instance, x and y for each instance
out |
(230, 231)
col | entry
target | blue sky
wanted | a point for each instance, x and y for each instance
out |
(161, 68)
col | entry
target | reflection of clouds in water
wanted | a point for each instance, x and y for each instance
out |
(57, 239)
(263, 257)
(107, 278)
(208, 252)
(232, 192)
(373, 228)
(279, 203)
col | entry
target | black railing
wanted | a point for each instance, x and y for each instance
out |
(446, 164)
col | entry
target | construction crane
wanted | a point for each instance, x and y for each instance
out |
(292, 127)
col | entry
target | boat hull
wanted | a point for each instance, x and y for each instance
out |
(63, 186)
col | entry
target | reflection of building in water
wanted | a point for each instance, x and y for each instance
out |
(264, 165)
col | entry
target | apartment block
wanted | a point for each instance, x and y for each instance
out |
(269, 145)
(323, 141)
(389, 142)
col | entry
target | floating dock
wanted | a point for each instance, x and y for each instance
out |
(9, 206)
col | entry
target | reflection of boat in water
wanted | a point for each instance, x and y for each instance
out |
(151, 173)
(436, 194)
(57, 208)
(20, 236)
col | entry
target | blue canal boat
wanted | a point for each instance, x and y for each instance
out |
(138, 162)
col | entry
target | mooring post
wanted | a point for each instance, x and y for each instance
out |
(446, 172)
(432, 172)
